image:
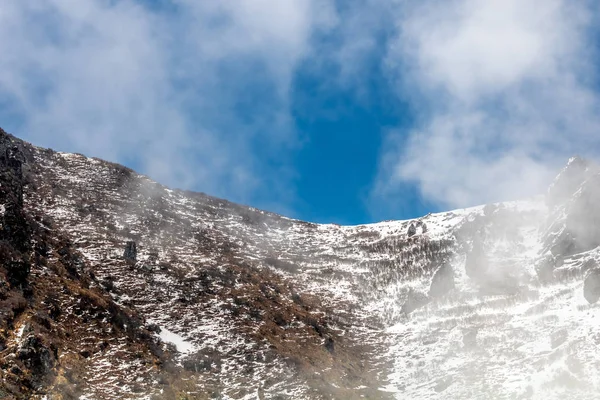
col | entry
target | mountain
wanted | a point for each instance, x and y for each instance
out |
(113, 286)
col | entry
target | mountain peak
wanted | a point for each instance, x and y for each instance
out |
(569, 180)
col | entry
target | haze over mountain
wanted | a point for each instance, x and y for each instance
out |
(113, 286)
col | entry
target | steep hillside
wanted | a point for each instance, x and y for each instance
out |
(114, 287)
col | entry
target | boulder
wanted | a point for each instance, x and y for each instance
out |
(153, 328)
(36, 356)
(130, 253)
(329, 345)
(591, 286)
(412, 230)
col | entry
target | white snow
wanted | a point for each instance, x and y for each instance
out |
(362, 272)
(181, 344)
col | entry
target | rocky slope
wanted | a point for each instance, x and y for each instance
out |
(114, 287)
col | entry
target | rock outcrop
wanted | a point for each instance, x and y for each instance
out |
(412, 230)
(130, 252)
(15, 230)
(38, 358)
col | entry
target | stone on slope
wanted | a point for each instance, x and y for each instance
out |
(130, 253)
(37, 357)
(412, 230)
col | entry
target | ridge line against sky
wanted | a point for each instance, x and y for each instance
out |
(329, 111)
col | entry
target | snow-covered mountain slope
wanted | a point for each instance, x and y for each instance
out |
(238, 303)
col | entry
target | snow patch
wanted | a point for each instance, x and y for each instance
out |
(180, 343)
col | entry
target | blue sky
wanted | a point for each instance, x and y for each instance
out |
(329, 111)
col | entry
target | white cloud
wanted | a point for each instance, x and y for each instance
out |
(505, 90)
(158, 88)
(476, 47)
(187, 90)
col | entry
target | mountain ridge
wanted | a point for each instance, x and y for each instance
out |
(218, 300)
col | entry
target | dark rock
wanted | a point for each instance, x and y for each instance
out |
(54, 310)
(442, 281)
(153, 328)
(15, 230)
(130, 253)
(108, 283)
(15, 370)
(279, 319)
(329, 345)
(18, 271)
(412, 230)
(414, 300)
(591, 286)
(85, 353)
(36, 356)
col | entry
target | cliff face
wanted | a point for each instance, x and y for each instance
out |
(113, 286)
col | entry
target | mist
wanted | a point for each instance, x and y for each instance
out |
(505, 93)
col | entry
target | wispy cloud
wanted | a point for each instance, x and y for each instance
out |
(505, 95)
(197, 94)
(181, 89)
